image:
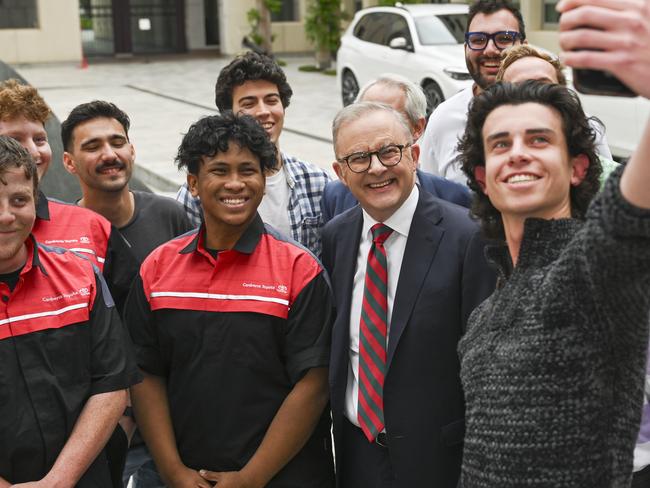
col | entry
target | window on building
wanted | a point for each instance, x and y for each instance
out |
(550, 15)
(288, 13)
(18, 14)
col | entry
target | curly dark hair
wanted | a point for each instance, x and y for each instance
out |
(213, 134)
(13, 155)
(89, 111)
(488, 7)
(250, 67)
(579, 135)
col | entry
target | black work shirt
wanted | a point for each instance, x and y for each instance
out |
(61, 341)
(232, 336)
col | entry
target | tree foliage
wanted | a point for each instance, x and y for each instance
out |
(323, 28)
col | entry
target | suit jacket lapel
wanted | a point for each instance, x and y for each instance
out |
(421, 247)
(348, 236)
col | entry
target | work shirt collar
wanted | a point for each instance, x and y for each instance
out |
(246, 243)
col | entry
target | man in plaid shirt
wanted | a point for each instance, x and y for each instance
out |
(255, 85)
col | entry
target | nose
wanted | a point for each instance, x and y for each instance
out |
(234, 183)
(32, 149)
(375, 165)
(491, 48)
(7, 217)
(108, 153)
(518, 152)
(261, 109)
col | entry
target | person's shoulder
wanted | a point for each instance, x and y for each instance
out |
(449, 214)
(334, 188)
(60, 208)
(445, 189)
(340, 222)
(455, 103)
(150, 202)
(298, 167)
(166, 252)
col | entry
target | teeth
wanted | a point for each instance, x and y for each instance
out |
(233, 201)
(522, 178)
(379, 185)
(267, 125)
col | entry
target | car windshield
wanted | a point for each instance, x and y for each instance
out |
(441, 29)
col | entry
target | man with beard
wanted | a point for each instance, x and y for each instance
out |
(98, 151)
(492, 26)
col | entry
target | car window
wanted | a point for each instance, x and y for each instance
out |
(372, 28)
(441, 29)
(378, 26)
(397, 27)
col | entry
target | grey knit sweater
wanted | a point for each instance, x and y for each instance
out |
(553, 362)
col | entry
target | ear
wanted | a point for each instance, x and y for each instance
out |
(192, 183)
(579, 167)
(340, 172)
(415, 155)
(418, 130)
(68, 163)
(479, 175)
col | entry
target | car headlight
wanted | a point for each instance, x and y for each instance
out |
(457, 74)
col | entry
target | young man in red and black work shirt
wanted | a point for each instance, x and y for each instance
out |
(66, 358)
(231, 325)
(23, 114)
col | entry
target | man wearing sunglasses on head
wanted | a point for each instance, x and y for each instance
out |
(492, 26)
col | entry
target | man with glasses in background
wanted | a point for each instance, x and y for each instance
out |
(492, 26)
(407, 269)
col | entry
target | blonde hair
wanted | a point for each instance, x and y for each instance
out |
(17, 99)
(516, 53)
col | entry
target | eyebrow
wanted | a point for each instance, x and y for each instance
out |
(500, 135)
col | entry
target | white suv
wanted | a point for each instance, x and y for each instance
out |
(421, 42)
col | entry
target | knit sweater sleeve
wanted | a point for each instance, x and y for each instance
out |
(615, 247)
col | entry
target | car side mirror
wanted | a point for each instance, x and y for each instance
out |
(400, 43)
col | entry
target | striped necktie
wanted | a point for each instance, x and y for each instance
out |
(372, 336)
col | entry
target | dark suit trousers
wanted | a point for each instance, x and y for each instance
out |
(363, 464)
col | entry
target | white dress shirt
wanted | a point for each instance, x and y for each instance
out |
(395, 245)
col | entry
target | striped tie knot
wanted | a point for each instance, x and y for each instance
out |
(380, 232)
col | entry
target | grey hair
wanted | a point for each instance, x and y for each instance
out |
(357, 110)
(415, 104)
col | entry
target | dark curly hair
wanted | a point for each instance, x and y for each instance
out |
(213, 134)
(13, 155)
(89, 111)
(488, 7)
(250, 67)
(579, 135)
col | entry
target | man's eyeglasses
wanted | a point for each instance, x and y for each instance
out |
(359, 162)
(477, 41)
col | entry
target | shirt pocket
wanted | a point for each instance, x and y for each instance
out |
(310, 228)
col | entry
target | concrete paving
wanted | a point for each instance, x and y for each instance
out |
(163, 97)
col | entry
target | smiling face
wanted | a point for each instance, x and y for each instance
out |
(484, 65)
(380, 190)
(230, 186)
(101, 156)
(260, 99)
(528, 171)
(17, 214)
(530, 68)
(32, 136)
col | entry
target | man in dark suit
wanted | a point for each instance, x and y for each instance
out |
(407, 269)
(407, 98)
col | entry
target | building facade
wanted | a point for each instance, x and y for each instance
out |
(65, 30)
